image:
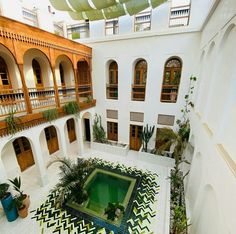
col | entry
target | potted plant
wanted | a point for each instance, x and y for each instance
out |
(114, 211)
(6, 200)
(21, 207)
(16, 182)
(146, 136)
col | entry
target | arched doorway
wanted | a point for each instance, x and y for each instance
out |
(51, 138)
(70, 123)
(87, 126)
(23, 153)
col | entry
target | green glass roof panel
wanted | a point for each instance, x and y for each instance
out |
(77, 15)
(103, 4)
(94, 15)
(114, 11)
(60, 5)
(135, 6)
(156, 3)
(81, 5)
(108, 9)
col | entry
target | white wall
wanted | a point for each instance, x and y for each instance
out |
(155, 50)
(211, 189)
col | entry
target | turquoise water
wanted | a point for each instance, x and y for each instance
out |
(106, 188)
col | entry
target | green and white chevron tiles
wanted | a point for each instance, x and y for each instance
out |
(138, 219)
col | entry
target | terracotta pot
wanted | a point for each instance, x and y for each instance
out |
(26, 200)
(23, 213)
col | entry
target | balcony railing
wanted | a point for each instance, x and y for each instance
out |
(138, 92)
(85, 90)
(12, 100)
(30, 17)
(66, 94)
(42, 97)
(169, 93)
(112, 91)
(179, 16)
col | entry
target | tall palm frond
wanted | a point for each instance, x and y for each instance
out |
(72, 178)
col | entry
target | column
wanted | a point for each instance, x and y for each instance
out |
(39, 161)
(3, 174)
(25, 89)
(55, 88)
(63, 141)
(79, 133)
(76, 85)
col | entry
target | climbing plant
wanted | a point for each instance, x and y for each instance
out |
(71, 108)
(12, 123)
(50, 114)
(99, 133)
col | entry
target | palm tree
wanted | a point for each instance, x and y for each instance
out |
(171, 138)
(72, 179)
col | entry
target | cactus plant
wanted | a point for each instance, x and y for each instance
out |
(146, 136)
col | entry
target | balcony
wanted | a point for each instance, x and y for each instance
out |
(30, 17)
(66, 94)
(41, 98)
(112, 91)
(169, 93)
(85, 91)
(12, 99)
(138, 92)
(179, 16)
(34, 119)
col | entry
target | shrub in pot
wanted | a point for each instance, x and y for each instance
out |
(6, 200)
(16, 182)
(114, 211)
(21, 207)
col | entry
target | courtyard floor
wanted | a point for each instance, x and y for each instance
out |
(38, 195)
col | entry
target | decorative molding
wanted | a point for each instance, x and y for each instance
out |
(226, 156)
(26, 39)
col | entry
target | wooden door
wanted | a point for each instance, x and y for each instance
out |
(71, 130)
(112, 131)
(51, 137)
(23, 152)
(135, 137)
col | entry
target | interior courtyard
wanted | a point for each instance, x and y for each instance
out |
(124, 104)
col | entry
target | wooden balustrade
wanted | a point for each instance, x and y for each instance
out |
(138, 92)
(85, 90)
(112, 91)
(169, 93)
(12, 100)
(42, 97)
(35, 119)
(66, 94)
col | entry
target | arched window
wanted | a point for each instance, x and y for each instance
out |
(140, 78)
(171, 80)
(5, 82)
(112, 86)
(84, 80)
(37, 74)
